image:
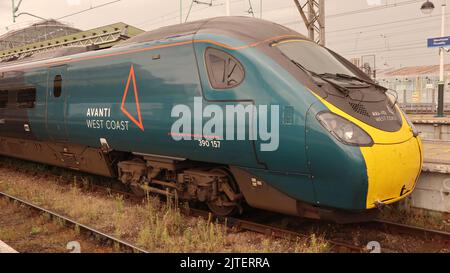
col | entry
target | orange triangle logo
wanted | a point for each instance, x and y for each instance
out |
(138, 121)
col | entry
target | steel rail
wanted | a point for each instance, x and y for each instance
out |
(270, 230)
(103, 237)
(289, 234)
(411, 230)
(247, 225)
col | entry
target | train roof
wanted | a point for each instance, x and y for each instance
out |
(246, 29)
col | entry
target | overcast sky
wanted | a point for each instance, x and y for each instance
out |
(354, 27)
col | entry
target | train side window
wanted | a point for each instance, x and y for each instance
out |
(224, 71)
(26, 98)
(57, 86)
(3, 98)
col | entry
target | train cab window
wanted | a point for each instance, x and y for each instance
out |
(57, 86)
(26, 98)
(3, 98)
(224, 71)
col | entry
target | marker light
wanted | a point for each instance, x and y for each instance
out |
(344, 130)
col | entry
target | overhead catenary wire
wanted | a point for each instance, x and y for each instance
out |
(161, 19)
(394, 5)
(89, 9)
(383, 35)
(145, 23)
(189, 12)
(342, 32)
(379, 50)
(388, 23)
(381, 7)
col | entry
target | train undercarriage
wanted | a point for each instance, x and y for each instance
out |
(185, 180)
(175, 177)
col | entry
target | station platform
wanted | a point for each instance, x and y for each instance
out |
(433, 188)
(4, 248)
(436, 156)
(432, 127)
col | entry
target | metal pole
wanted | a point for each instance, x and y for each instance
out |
(433, 99)
(322, 21)
(260, 9)
(311, 14)
(13, 11)
(440, 112)
(227, 7)
(314, 20)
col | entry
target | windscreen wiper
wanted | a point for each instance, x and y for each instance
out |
(350, 77)
(342, 89)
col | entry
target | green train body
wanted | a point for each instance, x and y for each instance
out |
(110, 112)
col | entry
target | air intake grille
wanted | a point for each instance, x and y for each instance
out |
(359, 108)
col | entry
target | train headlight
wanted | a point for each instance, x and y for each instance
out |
(344, 130)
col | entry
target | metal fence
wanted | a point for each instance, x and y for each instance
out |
(417, 94)
(423, 108)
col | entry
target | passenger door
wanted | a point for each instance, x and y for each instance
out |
(56, 103)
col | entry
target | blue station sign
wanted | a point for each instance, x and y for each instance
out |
(439, 41)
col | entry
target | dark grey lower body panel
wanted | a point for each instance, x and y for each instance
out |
(72, 156)
(266, 197)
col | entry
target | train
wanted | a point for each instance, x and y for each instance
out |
(229, 112)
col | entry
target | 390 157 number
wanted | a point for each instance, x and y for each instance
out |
(209, 143)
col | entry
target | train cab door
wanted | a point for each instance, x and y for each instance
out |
(224, 89)
(56, 103)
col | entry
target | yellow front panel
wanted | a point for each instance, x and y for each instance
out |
(390, 168)
(393, 162)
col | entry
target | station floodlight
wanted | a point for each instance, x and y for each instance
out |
(427, 7)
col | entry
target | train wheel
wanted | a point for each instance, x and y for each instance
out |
(223, 206)
(137, 190)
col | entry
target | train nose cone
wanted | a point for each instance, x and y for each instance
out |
(392, 171)
(369, 176)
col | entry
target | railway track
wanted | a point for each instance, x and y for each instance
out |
(443, 238)
(412, 230)
(339, 244)
(98, 235)
(240, 224)
(336, 244)
(271, 230)
(260, 225)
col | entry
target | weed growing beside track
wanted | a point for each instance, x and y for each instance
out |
(153, 225)
(404, 214)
